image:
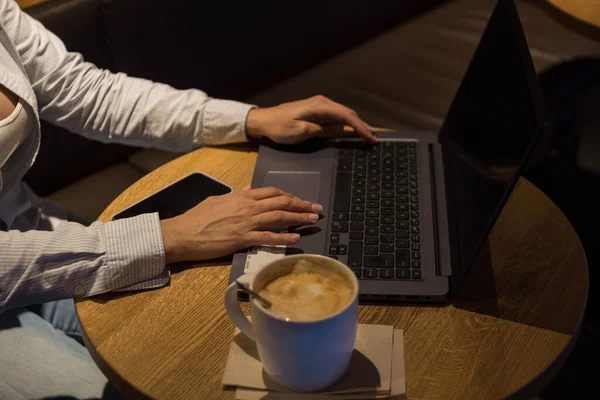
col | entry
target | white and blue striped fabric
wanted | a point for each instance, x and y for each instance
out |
(53, 84)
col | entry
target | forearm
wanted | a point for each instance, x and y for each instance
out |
(106, 106)
(78, 261)
(117, 108)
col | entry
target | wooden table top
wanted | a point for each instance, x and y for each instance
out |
(29, 3)
(508, 331)
(585, 10)
(582, 16)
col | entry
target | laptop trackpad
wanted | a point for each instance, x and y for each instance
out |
(302, 184)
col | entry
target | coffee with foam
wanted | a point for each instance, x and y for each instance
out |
(309, 292)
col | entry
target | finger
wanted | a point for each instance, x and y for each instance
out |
(249, 187)
(268, 238)
(359, 126)
(322, 100)
(335, 103)
(370, 127)
(333, 112)
(286, 203)
(311, 129)
(282, 219)
(265, 193)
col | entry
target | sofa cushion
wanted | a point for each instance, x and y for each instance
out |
(407, 77)
(588, 120)
(234, 50)
(149, 159)
(63, 157)
(404, 79)
(80, 24)
(88, 197)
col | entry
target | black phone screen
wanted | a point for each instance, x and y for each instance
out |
(177, 198)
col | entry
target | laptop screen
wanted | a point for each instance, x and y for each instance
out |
(493, 122)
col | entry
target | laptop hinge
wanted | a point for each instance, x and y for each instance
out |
(439, 212)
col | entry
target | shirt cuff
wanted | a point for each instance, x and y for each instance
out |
(223, 122)
(136, 253)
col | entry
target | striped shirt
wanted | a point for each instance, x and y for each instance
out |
(56, 85)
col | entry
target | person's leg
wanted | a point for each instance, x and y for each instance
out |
(39, 361)
(41, 348)
(61, 314)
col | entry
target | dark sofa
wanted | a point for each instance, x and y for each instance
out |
(394, 63)
(228, 50)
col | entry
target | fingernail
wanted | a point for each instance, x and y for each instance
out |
(317, 208)
(313, 217)
(295, 237)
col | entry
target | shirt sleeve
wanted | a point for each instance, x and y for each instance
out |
(77, 261)
(114, 107)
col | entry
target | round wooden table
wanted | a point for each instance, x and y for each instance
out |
(582, 16)
(507, 333)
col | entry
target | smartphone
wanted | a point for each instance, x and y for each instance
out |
(178, 197)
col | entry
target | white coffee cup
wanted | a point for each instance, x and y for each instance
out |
(302, 356)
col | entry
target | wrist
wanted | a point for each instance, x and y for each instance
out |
(170, 241)
(254, 123)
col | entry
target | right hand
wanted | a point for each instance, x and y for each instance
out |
(221, 225)
(295, 122)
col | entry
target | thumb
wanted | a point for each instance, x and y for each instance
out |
(309, 129)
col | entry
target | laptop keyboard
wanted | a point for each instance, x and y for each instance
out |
(375, 221)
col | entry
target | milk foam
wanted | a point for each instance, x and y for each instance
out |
(309, 292)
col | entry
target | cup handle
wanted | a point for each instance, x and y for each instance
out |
(232, 306)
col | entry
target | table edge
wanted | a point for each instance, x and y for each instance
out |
(569, 21)
(530, 390)
(533, 387)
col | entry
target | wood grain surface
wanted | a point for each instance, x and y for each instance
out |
(29, 3)
(587, 11)
(508, 331)
(581, 16)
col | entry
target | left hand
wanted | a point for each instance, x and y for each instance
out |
(221, 225)
(291, 123)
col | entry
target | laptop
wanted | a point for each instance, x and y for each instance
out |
(409, 214)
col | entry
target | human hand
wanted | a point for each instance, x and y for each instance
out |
(291, 123)
(221, 225)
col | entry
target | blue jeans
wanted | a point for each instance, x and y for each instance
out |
(42, 356)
